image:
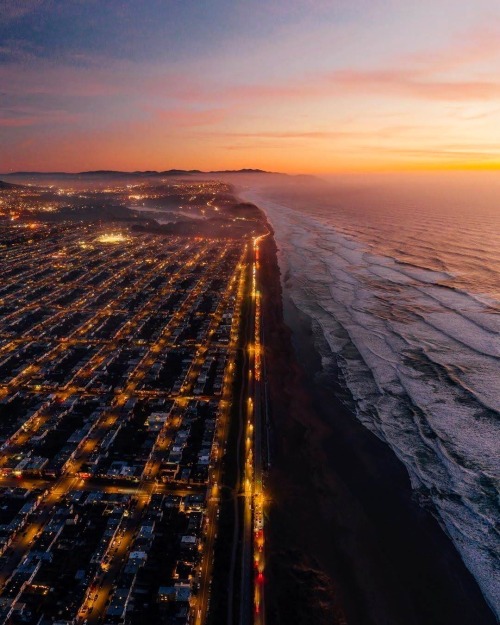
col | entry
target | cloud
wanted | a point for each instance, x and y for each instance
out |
(42, 77)
(167, 105)
(394, 131)
(285, 7)
(385, 82)
(189, 118)
(17, 122)
(288, 134)
(15, 9)
(443, 75)
(414, 84)
(22, 117)
(433, 78)
(477, 45)
(17, 51)
(458, 153)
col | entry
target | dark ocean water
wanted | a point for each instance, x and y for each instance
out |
(404, 284)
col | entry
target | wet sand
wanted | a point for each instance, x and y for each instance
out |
(347, 543)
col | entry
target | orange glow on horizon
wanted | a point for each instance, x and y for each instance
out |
(383, 90)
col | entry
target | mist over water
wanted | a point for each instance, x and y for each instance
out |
(401, 276)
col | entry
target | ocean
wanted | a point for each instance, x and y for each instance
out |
(401, 280)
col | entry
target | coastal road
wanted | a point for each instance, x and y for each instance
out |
(234, 577)
(259, 402)
(249, 577)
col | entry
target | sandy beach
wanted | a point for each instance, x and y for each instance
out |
(348, 543)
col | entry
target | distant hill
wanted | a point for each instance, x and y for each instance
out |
(245, 171)
(105, 173)
(9, 185)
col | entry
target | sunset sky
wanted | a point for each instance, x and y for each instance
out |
(286, 85)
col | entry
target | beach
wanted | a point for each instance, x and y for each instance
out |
(349, 543)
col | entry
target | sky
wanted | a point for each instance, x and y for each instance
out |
(300, 86)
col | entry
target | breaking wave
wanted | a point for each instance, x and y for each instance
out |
(418, 349)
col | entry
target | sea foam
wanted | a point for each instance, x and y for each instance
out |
(420, 357)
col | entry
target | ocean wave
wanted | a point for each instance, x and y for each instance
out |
(419, 357)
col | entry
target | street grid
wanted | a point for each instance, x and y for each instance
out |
(115, 379)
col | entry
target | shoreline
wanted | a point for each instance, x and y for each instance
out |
(349, 545)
